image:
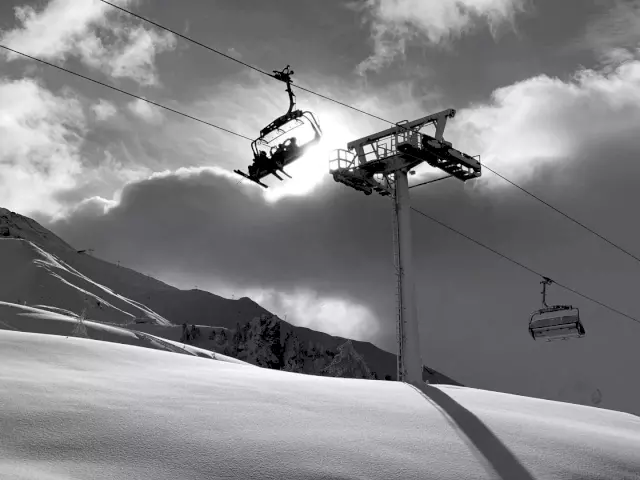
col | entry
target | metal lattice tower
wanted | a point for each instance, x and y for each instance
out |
(400, 338)
(380, 163)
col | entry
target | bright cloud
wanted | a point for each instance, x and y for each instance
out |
(247, 103)
(104, 110)
(547, 119)
(70, 28)
(145, 111)
(395, 22)
(40, 149)
(305, 308)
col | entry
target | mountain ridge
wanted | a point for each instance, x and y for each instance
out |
(176, 308)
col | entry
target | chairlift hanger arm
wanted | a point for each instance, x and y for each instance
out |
(545, 281)
(285, 76)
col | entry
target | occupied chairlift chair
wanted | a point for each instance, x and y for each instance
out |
(281, 154)
(558, 322)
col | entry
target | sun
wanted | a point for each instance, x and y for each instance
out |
(312, 169)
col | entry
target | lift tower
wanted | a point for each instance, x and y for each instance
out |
(380, 163)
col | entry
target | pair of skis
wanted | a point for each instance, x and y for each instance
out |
(257, 180)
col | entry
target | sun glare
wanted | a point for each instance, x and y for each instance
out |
(313, 168)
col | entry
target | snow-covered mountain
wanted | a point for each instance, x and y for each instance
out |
(40, 270)
(25, 319)
(32, 276)
(269, 342)
(179, 306)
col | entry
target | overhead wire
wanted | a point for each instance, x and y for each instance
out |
(126, 93)
(590, 230)
(636, 258)
(523, 266)
(189, 39)
(252, 67)
(414, 209)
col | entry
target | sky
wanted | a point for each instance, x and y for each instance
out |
(545, 91)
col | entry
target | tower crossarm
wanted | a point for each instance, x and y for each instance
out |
(440, 120)
(369, 162)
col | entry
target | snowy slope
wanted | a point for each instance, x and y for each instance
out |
(32, 275)
(266, 342)
(21, 318)
(178, 306)
(46, 281)
(79, 409)
(134, 291)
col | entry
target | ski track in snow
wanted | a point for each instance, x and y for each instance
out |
(50, 261)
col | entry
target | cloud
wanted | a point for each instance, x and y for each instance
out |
(246, 103)
(101, 179)
(394, 23)
(572, 142)
(198, 206)
(546, 119)
(611, 34)
(333, 315)
(146, 111)
(40, 152)
(135, 57)
(104, 110)
(53, 155)
(92, 31)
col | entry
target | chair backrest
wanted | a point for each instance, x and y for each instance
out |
(555, 321)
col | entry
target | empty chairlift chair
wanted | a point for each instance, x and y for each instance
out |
(558, 322)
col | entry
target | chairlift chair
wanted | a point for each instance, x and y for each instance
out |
(270, 156)
(557, 322)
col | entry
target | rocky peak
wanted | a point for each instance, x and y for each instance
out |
(14, 225)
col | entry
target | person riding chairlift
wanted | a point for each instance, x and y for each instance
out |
(259, 163)
(292, 147)
(287, 149)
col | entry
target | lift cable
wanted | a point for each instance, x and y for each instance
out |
(126, 93)
(189, 39)
(521, 265)
(636, 258)
(414, 209)
(373, 116)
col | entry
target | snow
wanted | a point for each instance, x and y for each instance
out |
(41, 278)
(40, 320)
(73, 408)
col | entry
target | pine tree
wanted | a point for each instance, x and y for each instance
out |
(292, 359)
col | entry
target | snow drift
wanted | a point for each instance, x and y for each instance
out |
(73, 408)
